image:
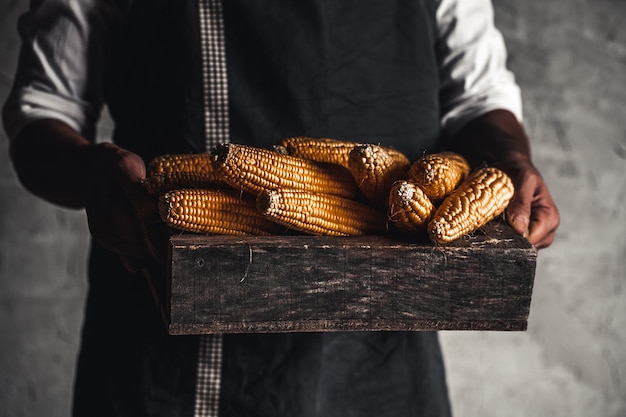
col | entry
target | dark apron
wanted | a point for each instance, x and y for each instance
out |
(358, 70)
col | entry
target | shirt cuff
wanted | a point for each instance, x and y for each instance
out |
(507, 97)
(28, 105)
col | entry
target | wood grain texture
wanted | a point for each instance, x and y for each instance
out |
(224, 284)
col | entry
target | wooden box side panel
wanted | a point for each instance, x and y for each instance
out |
(225, 284)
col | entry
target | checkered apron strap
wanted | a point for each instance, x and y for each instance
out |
(215, 88)
(209, 376)
(214, 77)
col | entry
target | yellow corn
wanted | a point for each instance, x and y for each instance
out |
(170, 172)
(320, 214)
(375, 169)
(317, 149)
(439, 174)
(253, 170)
(479, 199)
(409, 207)
(215, 212)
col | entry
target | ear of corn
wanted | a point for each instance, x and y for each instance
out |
(320, 214)
(318, 149)
(170, 172)
(213, 211)
(318, 197)
(409, 207)
(479, 199)
(253, 170)
(170, 163)
(375, 169)
(439, 174)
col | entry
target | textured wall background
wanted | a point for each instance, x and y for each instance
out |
(570, 59)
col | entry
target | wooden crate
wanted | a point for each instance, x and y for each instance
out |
(224, 284)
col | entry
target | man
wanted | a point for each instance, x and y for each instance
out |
(182, 76)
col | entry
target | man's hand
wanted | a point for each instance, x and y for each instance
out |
(56, 163)
(116, 204)
(532, 212)
(498, 138)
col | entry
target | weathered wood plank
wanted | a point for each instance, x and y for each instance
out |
(223, 284)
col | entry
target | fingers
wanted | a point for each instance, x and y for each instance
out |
(544, 222)
(117, 203)
(532, 212)
(132, 265)
(518, 217)
(129, 171)
(519, 209)
(113, 225)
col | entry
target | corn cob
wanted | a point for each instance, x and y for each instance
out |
(439, 174)
(320, 214)
(479, 199)
(317, 149)
(169, 172)
(214, 211)
(253, 170)
(375, 169)
(409, 207)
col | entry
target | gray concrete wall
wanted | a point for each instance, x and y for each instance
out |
(570, 59)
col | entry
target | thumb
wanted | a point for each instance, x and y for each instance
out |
(130, 171)
(519, 209)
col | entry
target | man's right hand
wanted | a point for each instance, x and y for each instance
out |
(117, 203)
(58, 164)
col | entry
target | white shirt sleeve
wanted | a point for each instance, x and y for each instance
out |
(61, 64)
(472, 56)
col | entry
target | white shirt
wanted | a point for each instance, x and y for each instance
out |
(59, 74)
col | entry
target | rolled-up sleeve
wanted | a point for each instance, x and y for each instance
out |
(61, 64)
(472, 57)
